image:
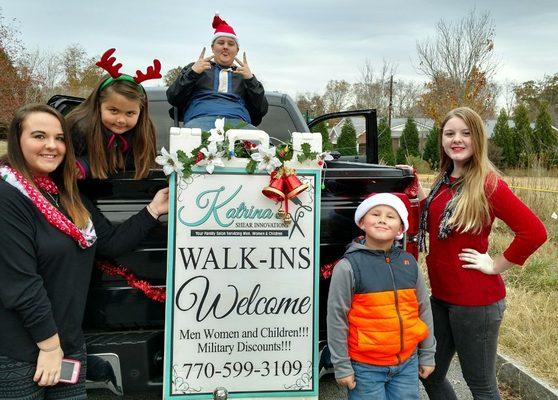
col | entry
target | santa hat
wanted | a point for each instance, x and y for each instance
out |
(222, 29)
(387, 199)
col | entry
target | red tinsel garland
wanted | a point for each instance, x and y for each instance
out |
(327, 270)
(159, 294)
(154, 293)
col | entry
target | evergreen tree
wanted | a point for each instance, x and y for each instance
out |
(432, 148)
(545, 138)
(385, 147)
(322, 128)
(409, 142)
(502, 137)
(522, 136)
(347, 142)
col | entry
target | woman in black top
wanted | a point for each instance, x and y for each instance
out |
(49, 237)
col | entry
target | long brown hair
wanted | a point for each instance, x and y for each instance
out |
(85, 120)
(64, 175)
(472, 209)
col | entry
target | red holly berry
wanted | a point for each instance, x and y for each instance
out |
(199, 157)
(282, 154)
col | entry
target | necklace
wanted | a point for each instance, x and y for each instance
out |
(52, 199)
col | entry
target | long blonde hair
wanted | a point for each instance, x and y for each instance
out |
(480, 176)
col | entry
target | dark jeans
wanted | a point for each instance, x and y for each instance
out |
(472, 332)
(16, 381)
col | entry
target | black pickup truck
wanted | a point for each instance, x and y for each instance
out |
(125, 328)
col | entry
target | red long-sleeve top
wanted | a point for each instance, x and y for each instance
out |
(456, 285)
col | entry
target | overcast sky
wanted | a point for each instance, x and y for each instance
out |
(292, 46)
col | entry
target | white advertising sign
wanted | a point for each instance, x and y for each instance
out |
(242, 288)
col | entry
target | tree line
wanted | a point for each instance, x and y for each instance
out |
(34, 76)
(515, 141)
(459, 66)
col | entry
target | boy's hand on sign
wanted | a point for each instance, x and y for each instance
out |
(425, 370)
(348, 381)
(202, 64)
(243, 68)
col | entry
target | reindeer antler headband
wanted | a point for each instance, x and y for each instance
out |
(107, 63)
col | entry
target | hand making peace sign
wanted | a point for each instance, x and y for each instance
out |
(202, 64)
(243, 68)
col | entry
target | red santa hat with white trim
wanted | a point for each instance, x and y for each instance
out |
(222, 29)
(387, 199)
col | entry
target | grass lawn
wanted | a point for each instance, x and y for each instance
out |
(530, 327)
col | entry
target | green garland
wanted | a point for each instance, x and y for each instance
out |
(242, 149)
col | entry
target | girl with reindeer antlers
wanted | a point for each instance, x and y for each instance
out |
(111, 129)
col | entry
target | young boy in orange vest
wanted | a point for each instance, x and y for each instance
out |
(378, 310)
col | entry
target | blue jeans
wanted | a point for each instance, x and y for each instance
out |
(374, 382)
(207, 123)
(472, 332)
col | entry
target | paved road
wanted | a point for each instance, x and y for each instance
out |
(328, 389)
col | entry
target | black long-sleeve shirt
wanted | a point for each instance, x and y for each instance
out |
(44, 274)
(79, 141)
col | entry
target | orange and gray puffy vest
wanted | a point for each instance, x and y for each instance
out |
(384, 323)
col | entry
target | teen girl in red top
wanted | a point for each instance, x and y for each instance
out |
(468, 293)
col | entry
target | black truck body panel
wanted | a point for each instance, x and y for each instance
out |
(123, 320)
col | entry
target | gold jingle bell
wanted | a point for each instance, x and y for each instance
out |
(287, 219)
(280, 214)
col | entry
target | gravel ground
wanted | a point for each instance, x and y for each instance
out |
(330, 391)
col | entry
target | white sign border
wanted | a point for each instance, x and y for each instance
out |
(171, 247)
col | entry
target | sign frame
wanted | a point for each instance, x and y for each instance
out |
(171, 290)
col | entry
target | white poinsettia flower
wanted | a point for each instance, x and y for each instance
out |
(266, 159)
(212, 157)
(169, 162)
(326, 156)
(217, 134)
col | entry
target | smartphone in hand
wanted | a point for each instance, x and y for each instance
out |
(70, 371)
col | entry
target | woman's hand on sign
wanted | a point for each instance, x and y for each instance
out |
(348, 381)
(243, 68)
(202, 64)
(160, 203)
